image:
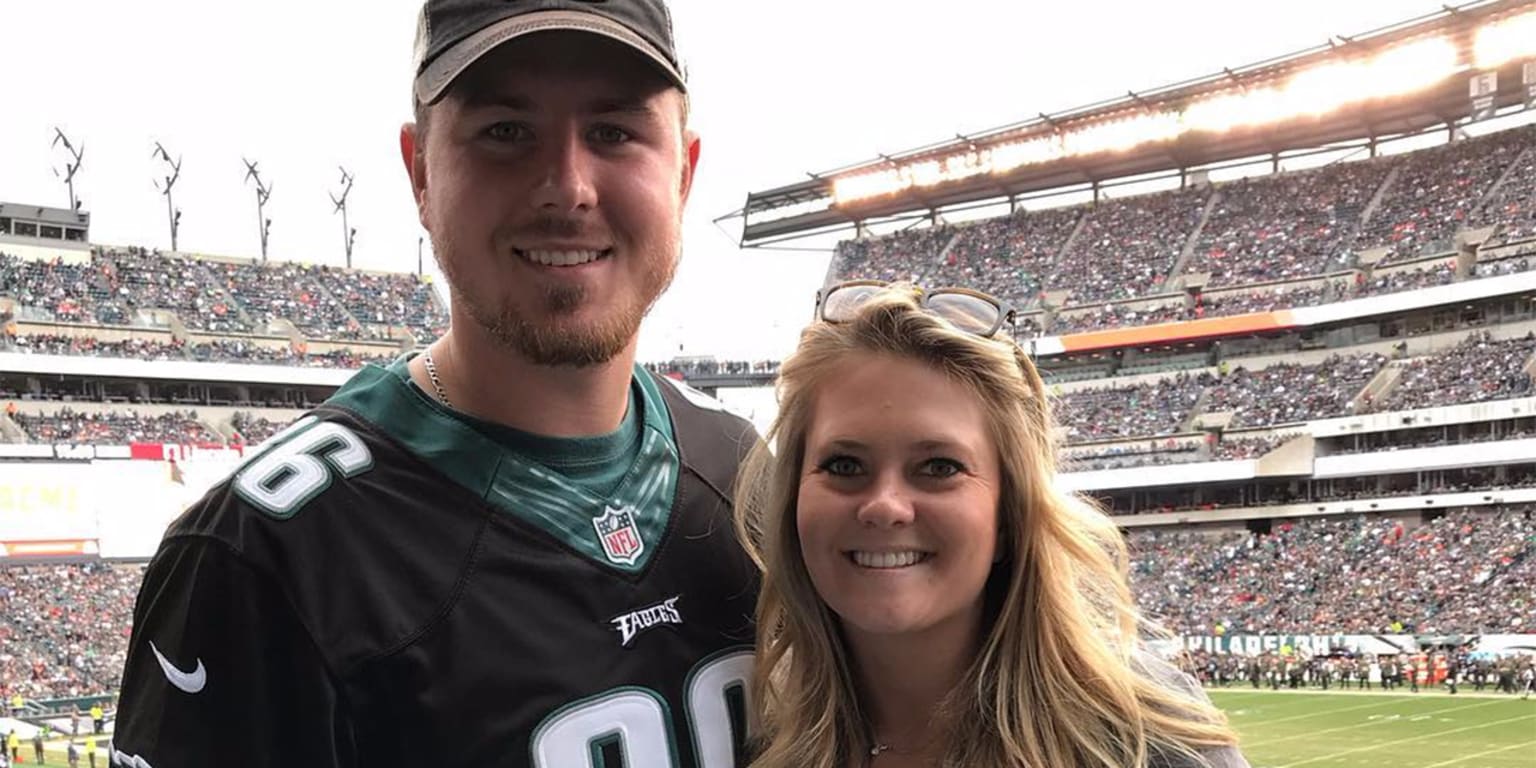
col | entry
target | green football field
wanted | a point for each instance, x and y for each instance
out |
(1367, 728)
(1349, 728)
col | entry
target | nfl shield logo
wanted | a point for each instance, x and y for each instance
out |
(620, 536)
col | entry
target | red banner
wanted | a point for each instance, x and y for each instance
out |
(182, 452)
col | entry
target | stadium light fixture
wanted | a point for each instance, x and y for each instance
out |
(1410, 68)
(1324, 89)
(1505, 40)
(1121, 135)
(1396, 70)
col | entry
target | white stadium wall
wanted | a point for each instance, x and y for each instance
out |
(111, 508)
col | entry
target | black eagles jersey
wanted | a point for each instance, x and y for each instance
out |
(383, 585)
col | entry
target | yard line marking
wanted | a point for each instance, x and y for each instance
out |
(1353, 726)
(1329, 712)
(1404, 741)
(1481, 754)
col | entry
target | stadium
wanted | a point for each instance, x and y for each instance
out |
(1305, 284)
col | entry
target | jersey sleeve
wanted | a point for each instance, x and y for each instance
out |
(220, 671)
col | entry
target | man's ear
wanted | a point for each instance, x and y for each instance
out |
(414, 155)
(690, 162)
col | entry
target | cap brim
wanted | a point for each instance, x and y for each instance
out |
(433, 81)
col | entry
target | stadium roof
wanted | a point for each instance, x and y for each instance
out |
(43, 214)
(1396, 81)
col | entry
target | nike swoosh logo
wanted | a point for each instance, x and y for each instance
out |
(191, 682)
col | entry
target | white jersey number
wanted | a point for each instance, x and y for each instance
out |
(299, 465)
(637, 723)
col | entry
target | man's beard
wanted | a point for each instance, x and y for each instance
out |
(551, 342)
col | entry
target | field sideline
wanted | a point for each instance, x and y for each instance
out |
(1282, 729)
(1338, 729)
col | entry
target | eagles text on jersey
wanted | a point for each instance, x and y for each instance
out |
(384, 585)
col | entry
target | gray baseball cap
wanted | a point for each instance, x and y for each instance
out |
(453, 34)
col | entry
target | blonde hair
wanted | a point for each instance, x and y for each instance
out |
(1056, 681)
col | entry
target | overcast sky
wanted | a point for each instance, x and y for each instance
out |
(779, 89)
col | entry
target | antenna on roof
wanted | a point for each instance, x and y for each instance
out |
(171, 212)
(263, 193)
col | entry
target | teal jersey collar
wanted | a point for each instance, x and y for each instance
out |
(621, 531)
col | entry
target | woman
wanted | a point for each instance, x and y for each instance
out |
(929, 597)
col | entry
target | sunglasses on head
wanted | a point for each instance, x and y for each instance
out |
(967, 310)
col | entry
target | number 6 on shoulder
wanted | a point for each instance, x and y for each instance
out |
(298, 467)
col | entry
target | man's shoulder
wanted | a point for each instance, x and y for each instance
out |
(318, 465)
(711, 440)
(353, 531)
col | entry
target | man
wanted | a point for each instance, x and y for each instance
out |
(37, 745)
(518, 515)
(98, 718)
(73, 755)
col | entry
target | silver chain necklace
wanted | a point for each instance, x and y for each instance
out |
(437, 383)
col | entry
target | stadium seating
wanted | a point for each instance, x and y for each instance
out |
(218, 350)
(1470, 571)
(118, 286)
(64, 628)
(1145, 410)
(1287, 393)
(253, 429)
(116, 428)
(1286, 227)
(1126, 247)
(1437, 191)
(1477, 370)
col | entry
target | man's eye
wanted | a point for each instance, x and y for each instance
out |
(610, 134)
(506, 131)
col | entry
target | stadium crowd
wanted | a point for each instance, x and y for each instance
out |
(1476, 370)
(1512, 207)
(251, 429)
(115, 427)
(1437, 191)
(214, 351)
(1470, 571)
(1125, 248)
(1291, 392)
(690, 368)
(64, 628)
(1008, 256)
(118, 286)
(1152, 453)
(1143, 410)
(1287, 227)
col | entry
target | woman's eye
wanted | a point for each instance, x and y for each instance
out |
(840, 466)
(942, 467)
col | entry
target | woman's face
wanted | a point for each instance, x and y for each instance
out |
(897, 510)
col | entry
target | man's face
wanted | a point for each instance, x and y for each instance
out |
(552, 180)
